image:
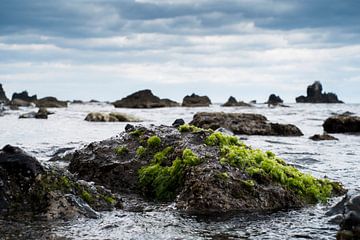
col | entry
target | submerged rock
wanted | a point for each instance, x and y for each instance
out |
(232, 102)
(3, 98)
(50, 102)
(342, 124)
(196, 101)
(202, 171)
(28, 190)
(244, 123)
(144, 99)
(41, 114)
(315, 95)
(323, 137)
(110, 117)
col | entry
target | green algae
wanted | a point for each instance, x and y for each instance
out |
(121, 150)
(189, 128)
(140, 151)
(256, 162)
(153, 142)
(162, 182)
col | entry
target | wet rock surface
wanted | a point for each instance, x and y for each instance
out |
(342, 124)
(243, 123)
(315, 95)
(232, 102)
(50, 102)
(323, 137)
(196, 101)
(191, 167)
(110, 117)
(42, 113)
(24, 96)
(28, 190)
(3, 98)
(274, 100)
(144, 99)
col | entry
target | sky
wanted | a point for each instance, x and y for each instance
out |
(105, 50)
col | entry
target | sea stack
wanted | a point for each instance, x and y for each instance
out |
(315, 95)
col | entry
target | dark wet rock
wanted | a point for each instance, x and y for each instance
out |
(16, 103)
(347, 212)
(24, 96)
(2, 109)
(253, 102)
(3, 98)
(315, 95)
(274, 100)
(232, 102)
(178, 122)
(129, 127)
(323, 137)
(77, 102)
(42, 113)
(244, 123)
(196, 101)
(144, 99)
(342, 124)
(94, 101)
(50, 102)
(187, 166)
(110, 117)
(29, 190)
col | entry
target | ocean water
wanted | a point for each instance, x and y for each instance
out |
(66, 129)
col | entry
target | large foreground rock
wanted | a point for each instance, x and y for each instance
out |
(342, 124)
(110, 117)
(50, 102)
(201, 171)
(196, 101)
(3, 98)
(315, 95)
(244, 123)
(144, 99)
(232, 102)
(29, 190)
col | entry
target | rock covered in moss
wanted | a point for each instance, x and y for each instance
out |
(110, 117)
(232, 102)
(342, 124)
(202, 171)
(196, 101)
(29, 190)
(144, 99)
(243, 123)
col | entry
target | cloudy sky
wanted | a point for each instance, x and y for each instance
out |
(85, 49)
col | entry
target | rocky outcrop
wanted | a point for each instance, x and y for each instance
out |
(342, 124)
(315, 95)
(110, 117)
(196, 101)
(41, 114)
(3, 98)
(274, 100)
(202, 171)
(243, 123)
(232, 102)
(24, 96)
(30, 190)
(50, 102)
(144, 99)
(323, 137)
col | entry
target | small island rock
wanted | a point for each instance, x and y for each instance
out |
(196, 101)
(315, 95)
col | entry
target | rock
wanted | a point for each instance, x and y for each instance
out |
(50, 102)
(24, 96)
(274, 100)
(77, 102)
(323, 137)
(342, 124)
(253, 102)
(243, 123)
(3, 98)
(41, 114)
(178, 122)
(232, 102)
(144, 99)
(29, 190)
(348, 212)
(16, 103)
(315, 95)
(196, 101)
(201, 171)
(110, 117)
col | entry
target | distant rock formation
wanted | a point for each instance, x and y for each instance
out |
(144, 99)
(274, 100)
(3, 98)
(196, 101)
(50, 102)
(232, 102)
(315, 95)
(24, 96)
(243, 123)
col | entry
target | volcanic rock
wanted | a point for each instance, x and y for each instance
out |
(196, 101)
(342, 124)
(232, 102)
(315, 95)
(144, 99)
